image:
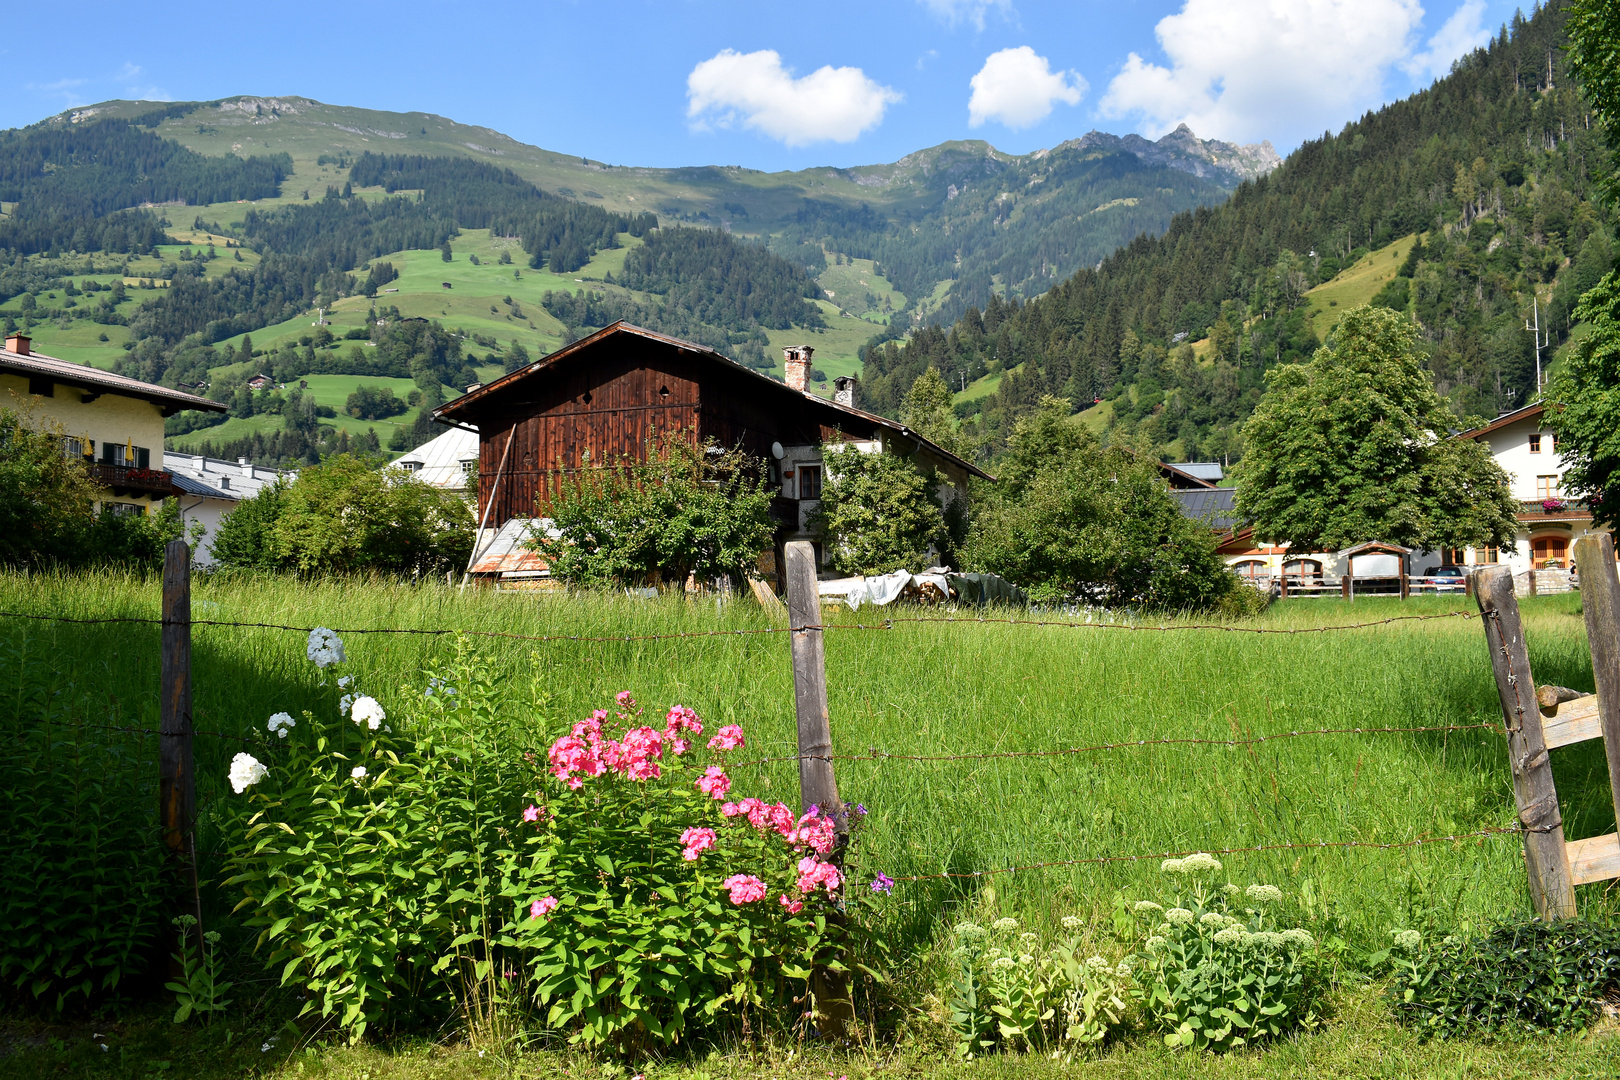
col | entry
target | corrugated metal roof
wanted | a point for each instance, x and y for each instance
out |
(1214, 506)
(506, 554)
(1204, 470)
(106, 382)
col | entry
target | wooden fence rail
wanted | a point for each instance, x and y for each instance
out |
(1540, 720)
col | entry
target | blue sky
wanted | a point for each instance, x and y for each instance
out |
(766, 85)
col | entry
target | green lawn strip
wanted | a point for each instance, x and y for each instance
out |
(1356, 284)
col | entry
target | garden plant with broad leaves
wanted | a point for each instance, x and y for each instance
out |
(625, 896)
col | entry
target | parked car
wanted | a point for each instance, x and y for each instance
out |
(1445, 579)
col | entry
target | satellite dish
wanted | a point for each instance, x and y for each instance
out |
(777, 451)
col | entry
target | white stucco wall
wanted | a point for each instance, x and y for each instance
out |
(109, 418)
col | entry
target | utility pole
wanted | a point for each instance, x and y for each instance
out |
(1541, 340)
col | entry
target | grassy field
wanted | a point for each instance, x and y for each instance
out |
(1356, 284)
(952, 689)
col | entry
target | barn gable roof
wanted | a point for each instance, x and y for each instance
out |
(465, 409)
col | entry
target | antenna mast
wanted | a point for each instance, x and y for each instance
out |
(1541, 340)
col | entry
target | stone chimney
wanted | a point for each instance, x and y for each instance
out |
(844, 390)
(18, 343)
(796, 362)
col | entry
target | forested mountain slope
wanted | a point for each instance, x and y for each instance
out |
(1493, 166)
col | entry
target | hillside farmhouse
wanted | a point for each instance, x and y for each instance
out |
(114, 423)
(599, 400)
(1549, 521)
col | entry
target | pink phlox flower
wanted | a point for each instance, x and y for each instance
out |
(814, 831)
(696, 842)
(732, 809)
(532, 814)
(745, 888)
(569, 755)
(759, 813)
(681, 718)
(541, 908)
(781, 819)
(714, 782)
(814, 872)
(591, 730)
(793, 906)
(729, 737)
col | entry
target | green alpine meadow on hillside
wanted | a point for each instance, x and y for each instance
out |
(285, 219)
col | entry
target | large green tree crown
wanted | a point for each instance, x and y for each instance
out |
(1356, 445)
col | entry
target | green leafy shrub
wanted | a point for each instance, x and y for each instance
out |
(1520, 978)
(878, 513)
(645, 899)
(688, 509)
(81, 907)
(398, 875)
(1016, 992)
(1218, 980)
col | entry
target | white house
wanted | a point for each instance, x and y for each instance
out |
(209, 489)
(449, 461)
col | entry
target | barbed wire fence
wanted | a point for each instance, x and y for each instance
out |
(815, 757)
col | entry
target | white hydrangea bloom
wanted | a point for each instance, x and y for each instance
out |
(1154, 942)
(281, 723)
(357, 773)
(1171, 866)
(1146, 907)
(1003, 963)
(1027, 937)
(1123, 970)
(1097, 963)
(1005, 924)
(969, 931)
(1212, 919)
(246, 770)
(1230, 889)
(1179, 916)
(1071, 922)
(367, 711)
(1299, 939)
(1232, 936)
(325, 647)
(1408, 940)
(1265, 894)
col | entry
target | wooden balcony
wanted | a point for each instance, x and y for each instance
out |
(128, 480)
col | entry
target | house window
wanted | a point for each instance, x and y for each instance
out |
(1454, 556)
(809, 481)
(1547, 487)
(112, 453)
(1535, 443)
(72, 448)
(1251, 569)
(410, 466)
(1303, 570)
(143, 458)
(1485, 556)
(469, 470)
(120, 509)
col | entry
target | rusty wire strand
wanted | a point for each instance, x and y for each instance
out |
(1489, 831)
(874, 754)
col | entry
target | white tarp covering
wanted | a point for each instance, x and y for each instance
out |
(934, 585)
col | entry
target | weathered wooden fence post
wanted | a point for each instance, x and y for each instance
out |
(1552, 885)
(177, 787)
(817, 785)
(1600, 605)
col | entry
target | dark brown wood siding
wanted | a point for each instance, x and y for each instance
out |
(609, 399)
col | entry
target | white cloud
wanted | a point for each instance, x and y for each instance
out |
(1464, 32)
(1018, 88)
(1251, 69)
(973, 11)
(755, 90)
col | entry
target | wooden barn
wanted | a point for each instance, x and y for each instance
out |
(605, 394)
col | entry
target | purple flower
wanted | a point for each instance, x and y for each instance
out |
(860, 808)
(883, 883)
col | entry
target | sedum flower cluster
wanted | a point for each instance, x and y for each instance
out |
(1018, 991)
(1219, 972)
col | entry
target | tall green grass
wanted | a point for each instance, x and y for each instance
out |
(963, 688)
